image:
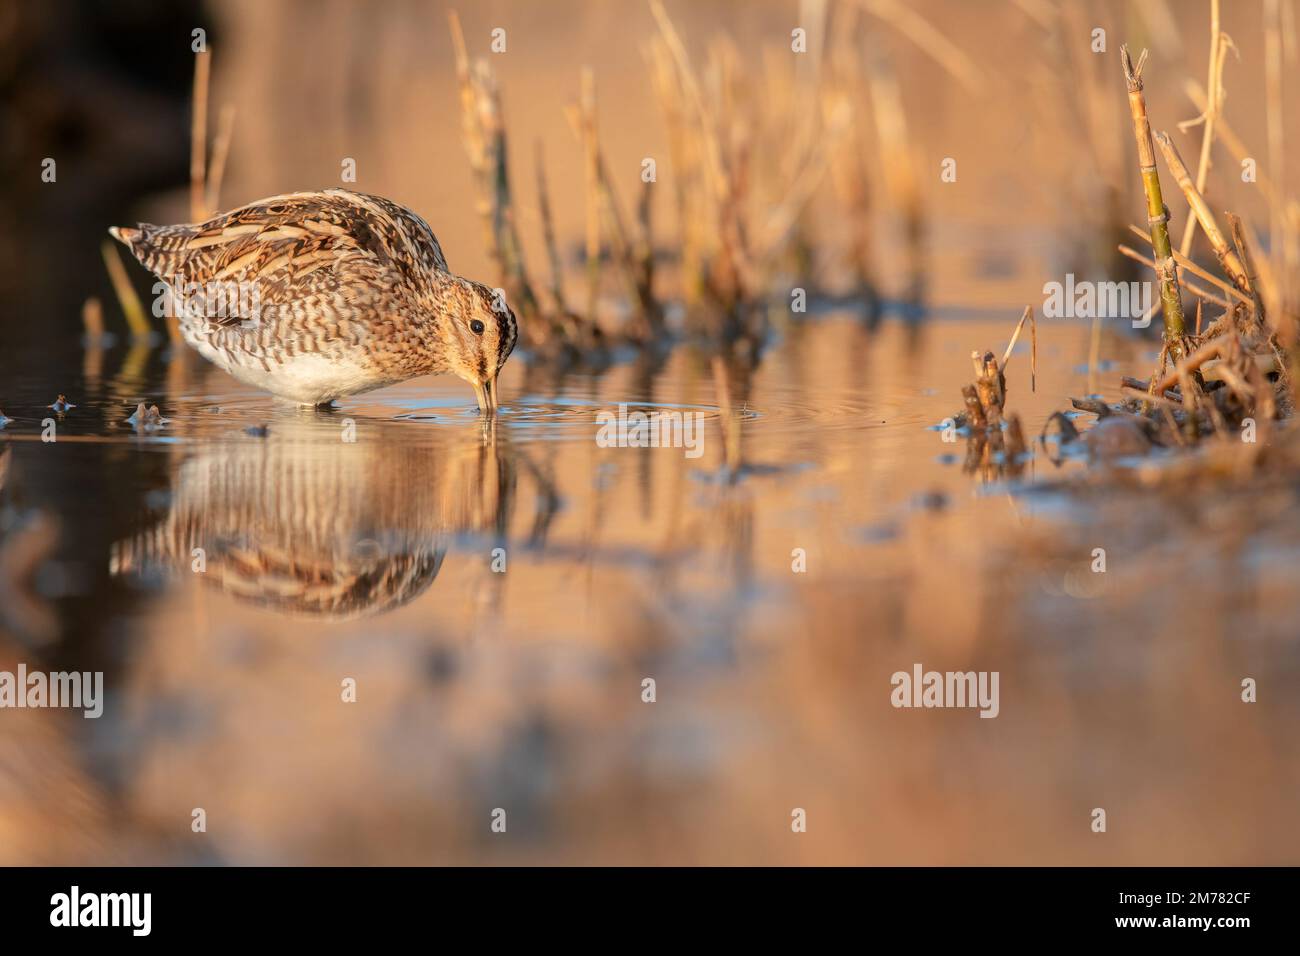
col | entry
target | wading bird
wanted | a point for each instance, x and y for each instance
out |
(319, 295)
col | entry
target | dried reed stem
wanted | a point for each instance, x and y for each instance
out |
(930, 40)
(1210, 350)
(1190, 266)
(1214, 83)
(974, 410)
(220, 152)
(472, 130)
(1092, 89)
(728, 419)
(1227, 258)
(631, 255)
(548, 231)
(716, 239)
(1027, 315)
(1033, 351)
(1225, 133)
(990, 385)
(642, 261)
(1130, 253)
(485, 143)
(685, 163)
(591, 167)
(691, 87)
(1278, 234)
(92, 320)
(1247, 260)
(848, 167)
(198, 136)
(1157, 214)
(900, 163)
(125, 292)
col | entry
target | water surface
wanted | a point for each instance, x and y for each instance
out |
(230, 570)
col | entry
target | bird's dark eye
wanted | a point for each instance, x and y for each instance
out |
(476, 327)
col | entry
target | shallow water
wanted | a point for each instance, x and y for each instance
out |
(324, 559)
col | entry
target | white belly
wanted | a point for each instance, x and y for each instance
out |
(306, 379)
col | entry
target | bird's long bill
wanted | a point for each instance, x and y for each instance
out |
(487, 395)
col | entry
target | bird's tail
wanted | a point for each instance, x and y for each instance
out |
(157, 248)
(124, 234)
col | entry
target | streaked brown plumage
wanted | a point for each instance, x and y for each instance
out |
(297, 523)
(315, 296)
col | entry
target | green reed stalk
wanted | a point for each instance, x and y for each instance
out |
(1157, 216)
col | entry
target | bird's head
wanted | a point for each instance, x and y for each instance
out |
(480, 335)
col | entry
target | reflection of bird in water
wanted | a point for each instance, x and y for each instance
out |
(314, 296)
(303, 523)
